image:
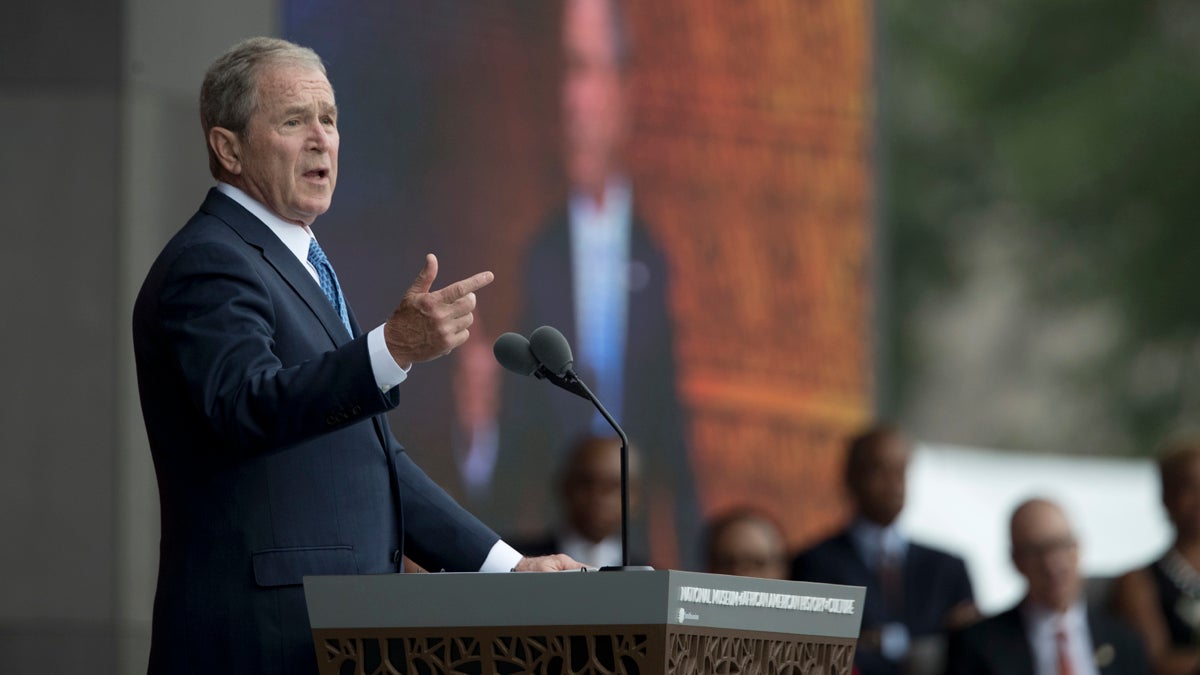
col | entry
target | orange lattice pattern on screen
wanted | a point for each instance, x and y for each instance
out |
(752, 157)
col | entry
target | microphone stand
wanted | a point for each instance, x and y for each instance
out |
(551, 360)
(571, 378)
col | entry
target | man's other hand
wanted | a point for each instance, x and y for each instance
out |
(427, 324)
(548, 563)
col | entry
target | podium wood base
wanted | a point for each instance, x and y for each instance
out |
(578, 650)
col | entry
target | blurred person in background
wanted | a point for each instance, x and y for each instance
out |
(746, 542)
(1162, 600)
(589, 491)
(1051, 631)
(914, 593)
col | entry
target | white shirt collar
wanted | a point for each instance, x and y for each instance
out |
(1040, 619)
(294, 237)
(1042, 625)
(618, 198)
(606, 552)
(874, 540)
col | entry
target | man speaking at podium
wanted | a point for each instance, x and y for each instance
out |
(263, 399)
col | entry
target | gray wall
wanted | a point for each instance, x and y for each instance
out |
(103, 161)
(60, 106)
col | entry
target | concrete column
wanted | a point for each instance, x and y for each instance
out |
(167, 47)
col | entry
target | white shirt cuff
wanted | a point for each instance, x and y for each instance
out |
(502, 558)
(387, 372)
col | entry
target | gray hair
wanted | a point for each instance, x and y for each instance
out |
(229, 94)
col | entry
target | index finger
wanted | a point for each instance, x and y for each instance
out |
(458, 289)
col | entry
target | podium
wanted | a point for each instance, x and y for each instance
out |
(595, 623)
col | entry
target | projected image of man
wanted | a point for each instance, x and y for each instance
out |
(595, 273)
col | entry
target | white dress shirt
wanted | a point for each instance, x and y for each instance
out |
(876, 543)
(600, 236)
(1041, 629)
(605, 553)
(388, 373)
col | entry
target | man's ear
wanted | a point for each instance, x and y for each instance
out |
(228, 148)
(1018, 562)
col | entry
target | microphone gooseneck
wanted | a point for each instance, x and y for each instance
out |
(552, 360)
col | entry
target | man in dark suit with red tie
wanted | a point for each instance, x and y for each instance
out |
(263, 399)
(914, 592)
(1052, 631)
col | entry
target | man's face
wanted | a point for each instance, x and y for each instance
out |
(591, 491)
(593, 96)
(288, 158)
(749, 548)
(878, 485)
(1046, 553)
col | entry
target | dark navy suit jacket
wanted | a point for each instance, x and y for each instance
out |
(998, 646)
(539, 422)
(934, 582)
(273, 456)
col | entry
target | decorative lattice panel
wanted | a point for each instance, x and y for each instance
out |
(691, 654)
(578, 654)
(579, 651)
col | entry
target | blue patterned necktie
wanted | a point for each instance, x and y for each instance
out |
(329, 282)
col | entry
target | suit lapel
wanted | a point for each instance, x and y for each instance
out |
(915, 583)
(1011, 646)
(640, 311)
(846, 541)
(1103, 650)
(559, 306)
(293, 272)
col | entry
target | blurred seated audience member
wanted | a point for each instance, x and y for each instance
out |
(914, 593)
(1162, 601)
(1051, 631)
(746, 542)
(589, 491)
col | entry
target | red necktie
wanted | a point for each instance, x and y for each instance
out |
(891, 580)
(1064, 656)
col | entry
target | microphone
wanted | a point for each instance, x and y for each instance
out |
(553, 361)
(515, 353)
(512, 351)
(550, 348)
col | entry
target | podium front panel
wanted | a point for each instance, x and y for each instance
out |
(581, 622)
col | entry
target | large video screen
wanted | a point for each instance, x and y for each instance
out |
(683, 189)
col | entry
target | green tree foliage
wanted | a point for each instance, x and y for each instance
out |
(1078, 121)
